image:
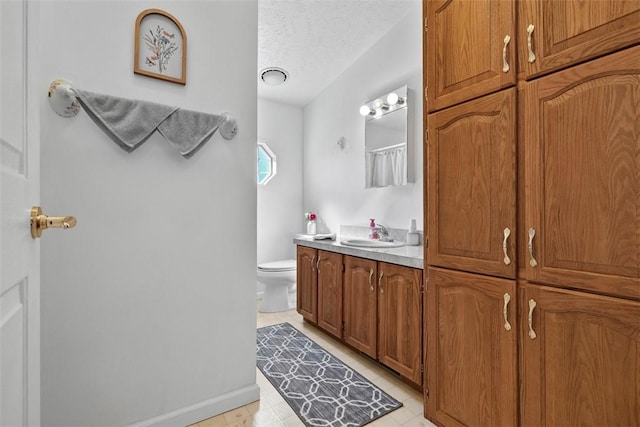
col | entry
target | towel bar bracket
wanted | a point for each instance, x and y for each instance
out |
(62, 99)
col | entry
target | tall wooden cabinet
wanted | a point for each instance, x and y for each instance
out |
(579, 358)
(557, 34)
(582, 147)
(471, 349)
(472, 185)
(572, 354)
(471, 51)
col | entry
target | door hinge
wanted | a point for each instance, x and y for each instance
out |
(426, 241)
(426, 24)
(342, 326)
(426, 97)
(422, 367)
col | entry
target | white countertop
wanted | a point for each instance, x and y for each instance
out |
(409, 256)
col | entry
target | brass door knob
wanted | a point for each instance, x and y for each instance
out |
(40, 222)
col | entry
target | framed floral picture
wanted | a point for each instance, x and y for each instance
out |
(160, 47)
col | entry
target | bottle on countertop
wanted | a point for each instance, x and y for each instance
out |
(373, 231)
(413, 237)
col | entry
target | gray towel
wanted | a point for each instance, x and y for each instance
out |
(188, 130)
(130, 122)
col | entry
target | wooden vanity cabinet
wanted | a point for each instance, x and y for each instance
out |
(466, 49)
(471, 375)
(383, 314)
(319, 288)
(400, 296)
(580, 358)
(360, 304)
(472, 185)
(307, 283)
(330, 277)
(375, 307)
(567, 32)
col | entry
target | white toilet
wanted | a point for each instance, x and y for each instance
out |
(279, 280)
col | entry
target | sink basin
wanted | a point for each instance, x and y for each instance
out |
(366, 243)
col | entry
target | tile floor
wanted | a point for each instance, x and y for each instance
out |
(272, 410)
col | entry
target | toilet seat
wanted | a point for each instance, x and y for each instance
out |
(277, 266)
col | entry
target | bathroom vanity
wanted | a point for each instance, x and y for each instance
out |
(370, 299)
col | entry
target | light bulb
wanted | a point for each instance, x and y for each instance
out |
(377, 103)
(365, 110)
(392, 98)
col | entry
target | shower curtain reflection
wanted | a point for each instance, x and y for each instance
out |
(387, 166)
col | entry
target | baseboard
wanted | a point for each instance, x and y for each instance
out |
(203, 410)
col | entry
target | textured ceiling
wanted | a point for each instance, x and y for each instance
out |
(316, 40)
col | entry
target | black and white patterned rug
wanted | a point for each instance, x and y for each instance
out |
(321, 389)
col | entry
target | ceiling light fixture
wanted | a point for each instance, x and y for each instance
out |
(274, 76)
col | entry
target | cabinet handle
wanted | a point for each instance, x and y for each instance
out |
(532, 260)
(507, 233)
(313, 260)
(505, 64)
(507, 298)
(532, 305)
(380, 282)
(370, 277)
(318, 263)
(532, 56)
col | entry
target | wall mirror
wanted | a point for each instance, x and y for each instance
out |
(386, 139)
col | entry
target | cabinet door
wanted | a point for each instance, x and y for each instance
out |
(400, 320)
(571, 31)
(582, 145)
(360, 303)
(330, 292)
(582, 366)
(467, 50)
(472, 185)
(307, 282)
(471, 350)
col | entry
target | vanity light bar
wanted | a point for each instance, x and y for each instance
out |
(392, 101)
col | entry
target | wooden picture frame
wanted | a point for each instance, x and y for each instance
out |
(160, 47)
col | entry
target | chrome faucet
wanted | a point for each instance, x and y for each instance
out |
(384, 233)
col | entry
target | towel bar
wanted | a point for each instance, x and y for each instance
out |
(64, 102)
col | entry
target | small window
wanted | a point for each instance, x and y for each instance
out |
(266, 163)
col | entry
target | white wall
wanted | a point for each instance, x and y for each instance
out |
(280, 213)
(333, 179)
(148, 305)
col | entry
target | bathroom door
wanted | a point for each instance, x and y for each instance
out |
(19, 252)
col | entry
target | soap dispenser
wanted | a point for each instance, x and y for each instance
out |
(373, 232)
(413, 237)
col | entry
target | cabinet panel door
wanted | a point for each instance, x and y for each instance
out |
(471, 356)
(571, 31)
(330, 292)
(400, 320)
(360, 304)
(583, 366)
(465, 44)
(472, 185)
(582, 146)
(306, 283)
